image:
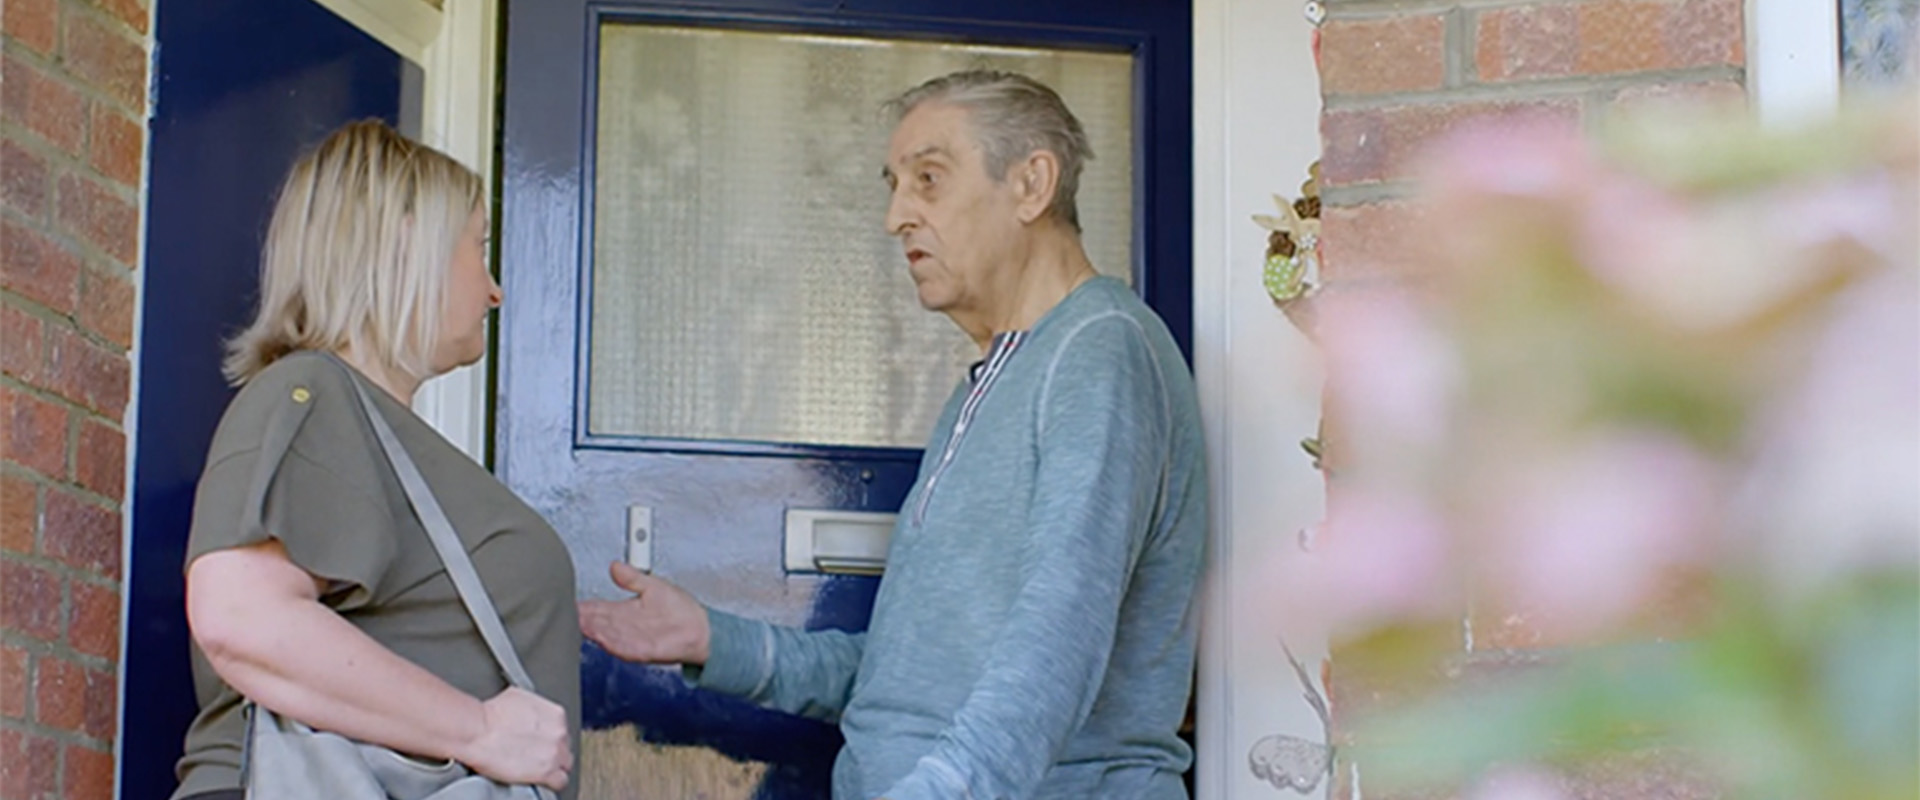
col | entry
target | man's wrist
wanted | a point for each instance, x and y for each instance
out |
(739, 657)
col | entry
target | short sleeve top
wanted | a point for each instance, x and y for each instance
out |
(296, 459)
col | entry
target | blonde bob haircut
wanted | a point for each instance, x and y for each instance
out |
(357, 253)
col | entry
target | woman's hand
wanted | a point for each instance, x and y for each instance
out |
(522, 739)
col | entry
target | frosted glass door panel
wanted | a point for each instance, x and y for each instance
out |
(744, 286)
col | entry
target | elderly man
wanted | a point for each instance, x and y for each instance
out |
(1034, 633)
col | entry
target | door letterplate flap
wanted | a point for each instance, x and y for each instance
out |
(838, 542)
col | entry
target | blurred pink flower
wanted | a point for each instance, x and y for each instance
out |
(1579, 538)
(1497, 186)
(1704, 263)
(1389, 376)
(1836, 487)
(1520, 157)
(1380, 557)
(1518, 784)
(1874, 213)
(1640, 238)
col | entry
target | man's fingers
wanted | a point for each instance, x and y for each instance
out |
(590, 615)
(628, 578)
(601, 626)
(595, 624)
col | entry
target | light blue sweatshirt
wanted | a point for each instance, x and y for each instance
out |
(1034, 632)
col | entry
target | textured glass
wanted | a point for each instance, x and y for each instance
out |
(1878, 42)
(744, 287)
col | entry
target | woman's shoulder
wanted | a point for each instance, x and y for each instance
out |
(307, 369)
(300, 388)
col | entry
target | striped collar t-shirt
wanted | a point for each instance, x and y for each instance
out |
(981, 377)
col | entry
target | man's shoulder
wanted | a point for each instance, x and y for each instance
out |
(1109, 317)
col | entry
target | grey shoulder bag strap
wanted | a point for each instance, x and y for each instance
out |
(447, 544)
(452, 553)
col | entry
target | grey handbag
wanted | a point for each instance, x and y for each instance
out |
(285, 759)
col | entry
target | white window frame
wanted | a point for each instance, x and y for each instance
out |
(453, 44)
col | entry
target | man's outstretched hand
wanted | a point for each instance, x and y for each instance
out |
(660, 624)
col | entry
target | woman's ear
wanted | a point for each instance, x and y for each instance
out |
(1037, 179)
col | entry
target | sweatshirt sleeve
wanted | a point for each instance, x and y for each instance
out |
(809, 673)
(1103, 441)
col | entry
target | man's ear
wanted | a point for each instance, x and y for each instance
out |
(1036, 180)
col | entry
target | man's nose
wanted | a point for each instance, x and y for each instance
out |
(900, 214)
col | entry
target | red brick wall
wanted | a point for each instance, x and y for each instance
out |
(73, 78)
(1396, 74)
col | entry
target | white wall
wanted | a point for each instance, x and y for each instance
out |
(1256, 129)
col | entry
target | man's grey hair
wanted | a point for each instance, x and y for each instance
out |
(1013, 116)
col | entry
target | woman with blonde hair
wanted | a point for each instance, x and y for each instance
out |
(313, 588)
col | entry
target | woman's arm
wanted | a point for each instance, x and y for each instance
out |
(257, 616)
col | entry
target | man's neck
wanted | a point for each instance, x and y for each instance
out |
(1053, 266)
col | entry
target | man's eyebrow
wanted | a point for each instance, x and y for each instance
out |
(886, 172)
(932, 149)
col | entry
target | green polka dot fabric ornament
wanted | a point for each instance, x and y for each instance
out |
(1293, 242)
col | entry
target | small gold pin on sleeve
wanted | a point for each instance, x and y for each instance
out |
(300, 394)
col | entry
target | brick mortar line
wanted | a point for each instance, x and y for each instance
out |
(87, 88)
(10, 40)
(23, 641)
(114, 269)
(15, 130)
(59, 735)
(49, 563)
(119, 25)
(26, 473)
(1458, 43)
(49, 395)
(11, 44)
(31, 307)
(1367, 193)
(26, 139)
(92, 497)
(44, 313)
(1373, 10)
(1519, 91)
(41, 649)
(112, 424)
(50, 227)
(90, 256)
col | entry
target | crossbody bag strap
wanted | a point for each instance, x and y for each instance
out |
(447, 544)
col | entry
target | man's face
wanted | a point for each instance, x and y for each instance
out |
(958, 225)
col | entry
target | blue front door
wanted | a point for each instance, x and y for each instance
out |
(689, 352)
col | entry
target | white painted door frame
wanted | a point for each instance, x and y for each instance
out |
(452, 42)
(1793, 59)
(1256, 120)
